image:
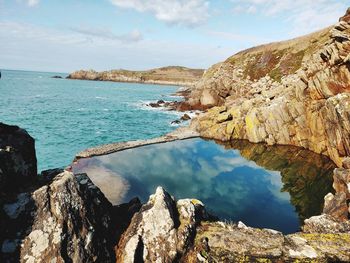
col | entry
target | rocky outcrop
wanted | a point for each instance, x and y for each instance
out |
(294, 92)
(53, 217)
(166, 231)
(17, 158)
(336, 204)
(179, 76)
(221, 242)
(162, 230)
(66, 220)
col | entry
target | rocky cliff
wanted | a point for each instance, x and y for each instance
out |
(294, 92)
(172, 75)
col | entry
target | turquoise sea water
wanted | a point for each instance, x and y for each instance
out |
(67, 116)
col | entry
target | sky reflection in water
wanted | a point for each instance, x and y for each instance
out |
(231, 186)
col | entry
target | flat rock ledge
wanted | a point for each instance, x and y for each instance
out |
(179, 134)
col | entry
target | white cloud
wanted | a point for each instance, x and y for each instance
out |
(29, 3)
(304, 15)
(133, 36)
(181, 12)
(33, 2)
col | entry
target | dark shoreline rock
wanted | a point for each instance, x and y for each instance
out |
(17, 158)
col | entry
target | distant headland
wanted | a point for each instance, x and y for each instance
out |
(172, 75)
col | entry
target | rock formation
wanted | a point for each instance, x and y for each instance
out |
(66, 220)
(162, 230)
(63, 217)
(17, 158)
(54, 217)
(179, 76)
(294, 92)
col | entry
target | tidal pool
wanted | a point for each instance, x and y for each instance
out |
(263, 186)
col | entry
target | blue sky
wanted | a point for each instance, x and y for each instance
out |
(65, 35)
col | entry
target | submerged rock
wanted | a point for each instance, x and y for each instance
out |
(185, 117)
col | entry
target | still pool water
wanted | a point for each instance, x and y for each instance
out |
(264, 186)
(67, 116)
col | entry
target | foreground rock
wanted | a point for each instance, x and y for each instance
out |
(172, 75)
(161, 231)
(220, 242)
(294, 92)
(166, 231)
(66, 220)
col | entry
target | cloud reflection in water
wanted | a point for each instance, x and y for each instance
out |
(230, 186)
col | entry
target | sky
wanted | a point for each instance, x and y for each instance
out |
(67, 35)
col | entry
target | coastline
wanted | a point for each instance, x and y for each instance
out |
(151, 82)
(171, 75)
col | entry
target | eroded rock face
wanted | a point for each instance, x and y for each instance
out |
(161, 231)
(17, 158)
(305, 104)
(67, 220)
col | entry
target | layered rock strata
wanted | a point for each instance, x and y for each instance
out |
(294, 92)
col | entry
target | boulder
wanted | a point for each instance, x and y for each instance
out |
(336, 206)
(210, 98)
(161, 231)
(185, 117)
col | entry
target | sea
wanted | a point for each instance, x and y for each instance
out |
(67, 116)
